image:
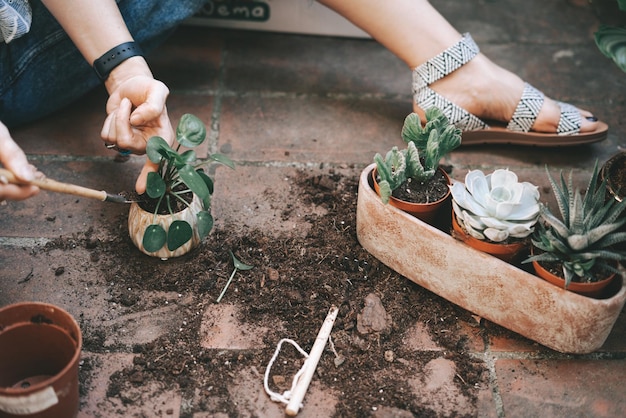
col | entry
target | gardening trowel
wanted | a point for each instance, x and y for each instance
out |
(55, 186)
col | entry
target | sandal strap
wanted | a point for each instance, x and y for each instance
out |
(446, 62)
(570, 121)
(527, 109)
(461, 118)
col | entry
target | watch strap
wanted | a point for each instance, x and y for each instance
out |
(114, 57)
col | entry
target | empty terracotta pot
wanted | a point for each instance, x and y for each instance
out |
(40, 347)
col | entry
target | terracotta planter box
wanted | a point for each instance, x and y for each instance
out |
(497, 291)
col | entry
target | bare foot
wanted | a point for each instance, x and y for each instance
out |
(492, 93)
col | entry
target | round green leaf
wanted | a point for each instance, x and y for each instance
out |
(222, 159)
(155, 186)
(153, 238)
(157, 149)
(188, 156)
(238, 264)
(205, 223)
(190, 131)
(180, 232)
(194, 181)
(207, 180)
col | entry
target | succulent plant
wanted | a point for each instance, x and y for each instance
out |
(611, 35)
(495, 206)
(425, 148)
(583, 237)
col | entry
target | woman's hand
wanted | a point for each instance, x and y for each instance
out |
(14, 160)
(136, 112)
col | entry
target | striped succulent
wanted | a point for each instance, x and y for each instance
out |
(582, 239)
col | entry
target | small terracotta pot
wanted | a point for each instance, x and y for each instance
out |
(592, 290)
(40, 348)
(139, 220)
(426, 212)
(511, 253)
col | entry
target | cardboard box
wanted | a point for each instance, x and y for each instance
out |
(292, 16)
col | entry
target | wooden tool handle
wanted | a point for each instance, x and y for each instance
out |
(56, 186)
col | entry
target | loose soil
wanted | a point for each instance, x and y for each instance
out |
(294, 282)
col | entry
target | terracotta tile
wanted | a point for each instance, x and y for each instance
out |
(315, 65)
(510, 21)
(71, 131)
(572, 388)
(189, 60)
(616, 341)
(310, 130)
(51, 214)
(254, 197)
(280, 104)
(95, 372)
(220, 329)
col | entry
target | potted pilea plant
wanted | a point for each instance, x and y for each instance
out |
(576, 250)
(495, 213)
(411, 179)
(175, 213)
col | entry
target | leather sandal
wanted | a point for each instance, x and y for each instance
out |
(518, 131)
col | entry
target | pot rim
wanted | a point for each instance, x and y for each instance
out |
(75, 337)
(490, 246)
(593, 289)
(413, 204)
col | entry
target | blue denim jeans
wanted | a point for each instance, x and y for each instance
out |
(43, 71)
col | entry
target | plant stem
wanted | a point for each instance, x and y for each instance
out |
(181, 199)
(227, 284)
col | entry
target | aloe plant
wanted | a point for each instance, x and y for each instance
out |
(179, 175)
(582, 239)
(425, 147)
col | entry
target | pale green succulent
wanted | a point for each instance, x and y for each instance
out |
(495, 206)
(583, 238)
(425, 148)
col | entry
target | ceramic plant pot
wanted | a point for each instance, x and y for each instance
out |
(614, 171)
(139, 220)
(592, 290)
(511, 253)
(427, 212)
(40, 348)
(484, 285)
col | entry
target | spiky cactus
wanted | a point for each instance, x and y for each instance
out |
(583, 238)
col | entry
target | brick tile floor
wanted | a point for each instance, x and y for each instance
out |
(279, 102)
